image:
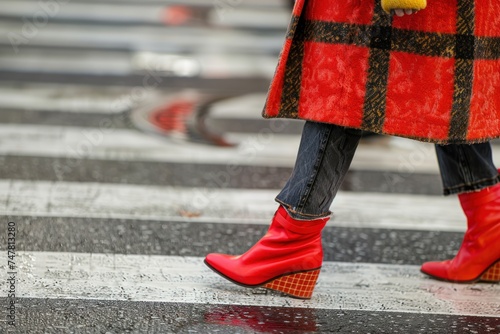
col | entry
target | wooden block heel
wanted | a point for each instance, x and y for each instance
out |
(299, 285)
(492, 274)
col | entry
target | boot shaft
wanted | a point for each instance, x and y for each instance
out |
(288, 237)
(482, 208)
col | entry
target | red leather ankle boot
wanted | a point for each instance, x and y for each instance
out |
(287, 259)
(478, 258)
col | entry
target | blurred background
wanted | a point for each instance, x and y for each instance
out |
(98, 58)
(132, 144)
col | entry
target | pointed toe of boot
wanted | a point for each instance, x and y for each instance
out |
(436, 269)
(215, 260)
(229, 267)
(220, 263)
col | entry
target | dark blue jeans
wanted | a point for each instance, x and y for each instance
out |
(326, 152)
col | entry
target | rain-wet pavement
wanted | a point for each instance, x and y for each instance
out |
(114, 212)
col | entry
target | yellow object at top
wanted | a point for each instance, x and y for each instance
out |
(389, 5)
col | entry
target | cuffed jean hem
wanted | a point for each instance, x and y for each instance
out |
(466, 168)
(299, 215)
(471, 187)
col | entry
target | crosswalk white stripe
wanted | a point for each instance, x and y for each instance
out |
(68, 62)
(125, 63)
(277, 17)
(268, 148)
(241, 107)
(120, 144)
(96, 11)
(254, 3)
(67, 98)
(346, 286)
(147, 38)
(235, 206)
(85, 99)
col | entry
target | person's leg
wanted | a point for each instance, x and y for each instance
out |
(466, 168)
(469, 171)
(288, 258)
(324, 157)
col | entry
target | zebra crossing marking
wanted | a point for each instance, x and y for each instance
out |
(342, 286)
(268, 148)
(235, 206)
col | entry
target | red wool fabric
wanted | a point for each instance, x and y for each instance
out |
(432, 76)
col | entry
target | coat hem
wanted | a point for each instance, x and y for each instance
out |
(381, 132)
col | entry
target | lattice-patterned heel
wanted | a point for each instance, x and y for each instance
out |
(299, 285)
(492, 274)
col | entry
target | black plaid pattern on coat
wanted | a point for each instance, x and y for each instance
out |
(382, 39)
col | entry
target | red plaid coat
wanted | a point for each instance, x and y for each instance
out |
(432, 76)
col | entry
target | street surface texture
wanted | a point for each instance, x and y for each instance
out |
(114, 213)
